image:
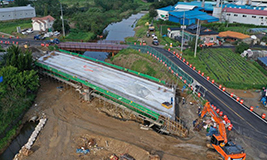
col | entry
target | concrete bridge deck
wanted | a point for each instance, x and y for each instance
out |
(141, 91)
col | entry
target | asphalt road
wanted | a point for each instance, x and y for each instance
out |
(244, 122)
(20, 41)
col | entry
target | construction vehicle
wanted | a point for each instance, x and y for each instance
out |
(219, 142)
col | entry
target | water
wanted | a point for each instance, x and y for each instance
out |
(97, 55)
(19, 141)
(116, 32)
(125, 28)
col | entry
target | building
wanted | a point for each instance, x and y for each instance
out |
(12, 13)
(185, 14)
(231, 36)
(174, 32)
(246, 16)
(42, 23)
(206, 35)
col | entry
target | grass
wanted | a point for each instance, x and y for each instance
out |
(11, 26)
(77, 36)
(228, 68)
(143, 63)
(4, 141)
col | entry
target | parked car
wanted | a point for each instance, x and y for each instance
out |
(56, 33)
(29, 31)
(155, 42)
(53, 41)
(38, 37)
(48, 34)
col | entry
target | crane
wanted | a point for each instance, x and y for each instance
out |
(228, 150)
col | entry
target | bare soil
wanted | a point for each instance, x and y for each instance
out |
(71, 122)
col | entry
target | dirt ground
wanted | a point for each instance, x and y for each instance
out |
(251, 98)
(71, 122)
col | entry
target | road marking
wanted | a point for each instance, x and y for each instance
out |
(233, 111)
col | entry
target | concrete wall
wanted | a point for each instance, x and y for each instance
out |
(173, 34)
(244, 18)
(17, 14)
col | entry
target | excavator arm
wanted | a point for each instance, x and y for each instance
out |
(221, 127)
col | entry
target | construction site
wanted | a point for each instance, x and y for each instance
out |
(97, 110)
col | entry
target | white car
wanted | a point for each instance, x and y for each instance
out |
(29, 30)
(56, 33)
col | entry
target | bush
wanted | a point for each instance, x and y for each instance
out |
(241, 47)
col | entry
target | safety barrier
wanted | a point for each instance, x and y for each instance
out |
(115, 66)
(165, 60)
(135, 107)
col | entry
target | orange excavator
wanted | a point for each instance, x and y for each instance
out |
(228, 150)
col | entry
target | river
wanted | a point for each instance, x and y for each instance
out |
(117, 32)
(19, 141)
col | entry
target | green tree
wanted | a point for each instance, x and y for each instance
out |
(241, 47)
(152, 12)
(57, 26)
(15, 57)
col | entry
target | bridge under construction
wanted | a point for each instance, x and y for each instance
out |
(136, 93)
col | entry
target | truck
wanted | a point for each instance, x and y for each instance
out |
(151, 27)
(227, 150)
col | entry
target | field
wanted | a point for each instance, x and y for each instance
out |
(228, 68)
(11, 26)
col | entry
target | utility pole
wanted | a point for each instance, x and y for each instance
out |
(183, 27)
(63, 27)
(197, 34)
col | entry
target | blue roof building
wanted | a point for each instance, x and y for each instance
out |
(191, 17)
(188, 10)
(263, 60)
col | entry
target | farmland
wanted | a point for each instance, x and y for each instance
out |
(228, 68)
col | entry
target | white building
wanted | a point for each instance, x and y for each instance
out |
(11, 13)
(174, 32)
(246, 16)
(42, 23)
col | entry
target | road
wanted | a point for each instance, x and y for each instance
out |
(245, 122)
(22, 41)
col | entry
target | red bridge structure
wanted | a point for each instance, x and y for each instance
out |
(87, 46)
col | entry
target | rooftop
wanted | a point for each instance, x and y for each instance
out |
(23, 8)
(203, 30)
(233, 35)
(44, 18)
(263, 60)
(246, 11)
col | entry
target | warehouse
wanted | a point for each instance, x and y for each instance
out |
(246, 16)
(188, 12)
(12, 13)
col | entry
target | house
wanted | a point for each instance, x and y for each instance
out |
(206, 35)
(42, 23)
(11, 13)
(246, 16)
(174, 32)
(231, 36)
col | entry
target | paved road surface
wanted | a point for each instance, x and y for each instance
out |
(244, 122)
(30, 41)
